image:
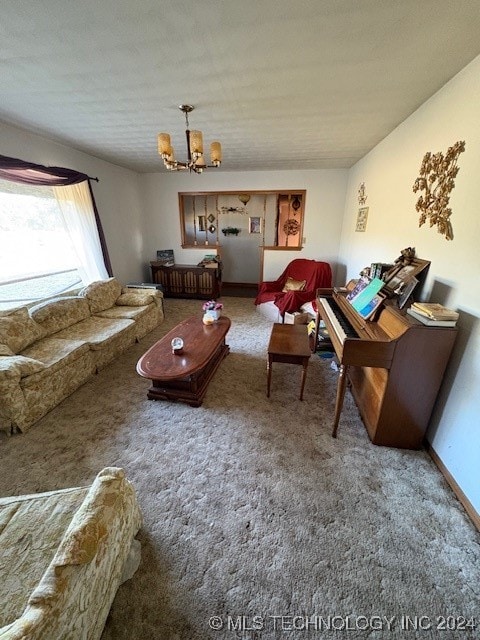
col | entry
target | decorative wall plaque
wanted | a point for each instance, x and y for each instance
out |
(362, 194)
(362, 216)
(436, 180)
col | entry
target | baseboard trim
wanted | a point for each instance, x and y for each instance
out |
(467, 505)
(241, 285)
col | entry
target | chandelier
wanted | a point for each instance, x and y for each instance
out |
(196, 161)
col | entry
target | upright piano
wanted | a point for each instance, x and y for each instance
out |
(394, 364)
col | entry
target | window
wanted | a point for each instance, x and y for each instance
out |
(37, 259)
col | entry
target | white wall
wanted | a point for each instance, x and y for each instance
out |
(116, 194)
(323, 211)
(389, 172)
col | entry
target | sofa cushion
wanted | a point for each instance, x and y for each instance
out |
(97, 332)
(18, 330)
(101, 294)
(54, 353)
(60, 313)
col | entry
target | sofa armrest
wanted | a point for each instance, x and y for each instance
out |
(16, 367)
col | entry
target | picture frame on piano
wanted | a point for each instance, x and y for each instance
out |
(407, 292)
(397, 278)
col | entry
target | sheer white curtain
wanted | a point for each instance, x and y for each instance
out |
(77, 211)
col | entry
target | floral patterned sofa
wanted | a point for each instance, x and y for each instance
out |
(64, 555)
(50, 349)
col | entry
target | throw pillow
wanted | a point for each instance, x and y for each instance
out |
(18, 330)
(60, 313)
(134, 299)
(294, 285)
(101, 294)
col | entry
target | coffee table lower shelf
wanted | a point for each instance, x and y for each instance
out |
(191, 389)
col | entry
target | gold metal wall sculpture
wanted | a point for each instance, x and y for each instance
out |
(436, 180)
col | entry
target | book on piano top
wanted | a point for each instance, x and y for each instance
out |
(430, 322)
(434, 311)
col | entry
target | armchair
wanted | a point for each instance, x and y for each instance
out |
(315, 274)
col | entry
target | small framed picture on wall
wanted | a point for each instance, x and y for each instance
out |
(255, 224)
(362, 216)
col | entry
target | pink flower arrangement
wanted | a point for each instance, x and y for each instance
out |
(212, 305)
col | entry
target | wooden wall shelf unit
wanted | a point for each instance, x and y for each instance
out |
(187, 281)
(204, 215)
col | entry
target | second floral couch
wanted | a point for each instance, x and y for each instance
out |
(64, 555)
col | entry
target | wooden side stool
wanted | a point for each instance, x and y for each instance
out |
(289, 343)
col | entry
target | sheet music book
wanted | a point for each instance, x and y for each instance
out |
(364, 298)
(360, 286)
(369, 309)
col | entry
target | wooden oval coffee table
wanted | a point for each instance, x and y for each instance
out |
(185, 376)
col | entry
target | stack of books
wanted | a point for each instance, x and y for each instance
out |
(377, 269)
(433, 314)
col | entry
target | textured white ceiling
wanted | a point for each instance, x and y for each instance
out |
(283, 85)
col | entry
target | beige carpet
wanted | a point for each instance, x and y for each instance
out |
(251, 508)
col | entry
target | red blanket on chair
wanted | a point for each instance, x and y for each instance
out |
(316, 274)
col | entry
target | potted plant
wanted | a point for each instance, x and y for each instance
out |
(212, 311)
(231, 231)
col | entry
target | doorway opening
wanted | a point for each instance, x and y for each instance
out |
(239, 226)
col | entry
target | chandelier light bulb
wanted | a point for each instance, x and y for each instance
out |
(164, 144)
(216, 153)
(196, 144)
